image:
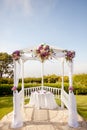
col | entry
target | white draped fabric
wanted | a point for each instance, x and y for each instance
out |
(42, 99)
(17, 115)
(73, 120)
(17, 69)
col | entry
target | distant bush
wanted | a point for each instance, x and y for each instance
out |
(6, 81)
(5, 89)
(79, 83)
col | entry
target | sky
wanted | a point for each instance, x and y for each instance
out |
(59, 23)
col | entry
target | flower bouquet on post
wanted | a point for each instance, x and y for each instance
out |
(69, 55)
(14, 89)
(71, 89)
(43, 52)
(16, 55)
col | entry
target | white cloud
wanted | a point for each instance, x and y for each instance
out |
(28, 7)
(17, 6)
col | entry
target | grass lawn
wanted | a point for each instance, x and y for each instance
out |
(82, 106)
(6, 105)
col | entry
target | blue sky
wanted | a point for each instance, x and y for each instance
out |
(60, 23)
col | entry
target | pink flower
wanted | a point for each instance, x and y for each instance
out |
(14, 88)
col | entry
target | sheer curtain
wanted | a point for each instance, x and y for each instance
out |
(73, 119)
(17, 115)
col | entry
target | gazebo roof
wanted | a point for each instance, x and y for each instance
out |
(43, 52)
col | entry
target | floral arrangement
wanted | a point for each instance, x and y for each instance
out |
(14, 88)
(69, 55)
(16, 55)
(43, 52)
(71, 89)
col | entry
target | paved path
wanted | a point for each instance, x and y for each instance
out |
(43, 119)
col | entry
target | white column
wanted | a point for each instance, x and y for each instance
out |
(22, 65)
(14, 93)
(17, 118)
(70, 73)
(63, 74)
(73, 118)
(62, 104)
(42, 74)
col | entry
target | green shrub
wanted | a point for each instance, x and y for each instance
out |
(79, 83)
(5, 89)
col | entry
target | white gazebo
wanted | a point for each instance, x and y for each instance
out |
(42, 53)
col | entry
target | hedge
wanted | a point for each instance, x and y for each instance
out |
(5, 89)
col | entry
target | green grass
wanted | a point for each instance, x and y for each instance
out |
(6, 105)
(82, 105)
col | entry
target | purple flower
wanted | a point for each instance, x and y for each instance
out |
(17, 52)
(69, 55)
(43, 52)
(16, 55)
(71, 89)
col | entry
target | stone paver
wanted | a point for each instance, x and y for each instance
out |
(43, 119)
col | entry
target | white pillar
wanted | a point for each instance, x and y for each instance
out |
(62, 104)
(22, 67)
(17, 119)
(42, 74)
(70, 74)
(72, 121)
(63, 74)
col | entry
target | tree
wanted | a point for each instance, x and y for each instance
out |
(6, 65)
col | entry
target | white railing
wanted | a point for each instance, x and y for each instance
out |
(55, 91)
(65, 98)
(58, 93)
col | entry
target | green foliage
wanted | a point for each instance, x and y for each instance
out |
(5, 89)
(79, 83)
(6, 65)
(6, 81)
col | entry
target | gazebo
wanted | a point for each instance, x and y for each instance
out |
(42, 53)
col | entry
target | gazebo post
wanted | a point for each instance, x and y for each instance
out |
(70, 74)
(62, 104)
(17, 120)
(42, 74)
(72, 121)
(22, 63)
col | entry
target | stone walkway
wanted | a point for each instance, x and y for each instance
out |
(43, 119)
